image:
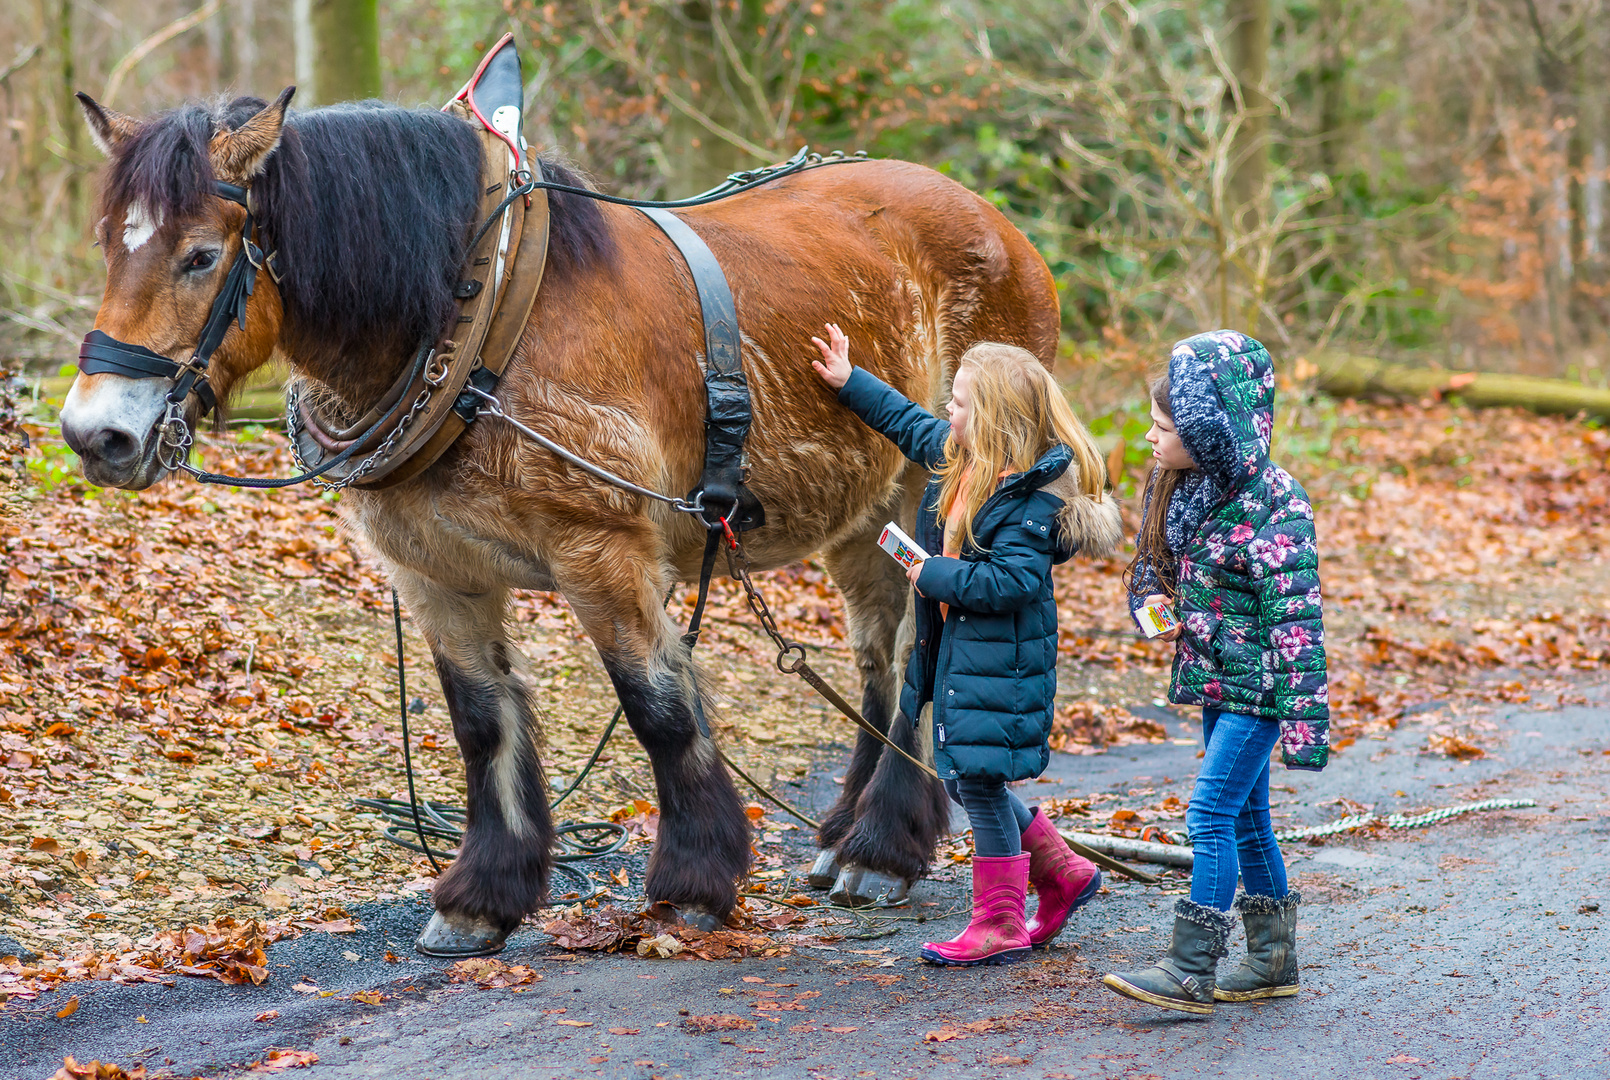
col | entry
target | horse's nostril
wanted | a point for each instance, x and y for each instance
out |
(114, 447)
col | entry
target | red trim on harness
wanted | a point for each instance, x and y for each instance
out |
(466, 94)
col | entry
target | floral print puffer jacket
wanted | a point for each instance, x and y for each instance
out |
(1253, 639)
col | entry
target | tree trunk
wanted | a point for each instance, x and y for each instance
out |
(1342, 375)
(1331, 76)
(1247, 26)
(337, 50)
(698, 158)
(245, 49)
(1248, 54)
(68, 115)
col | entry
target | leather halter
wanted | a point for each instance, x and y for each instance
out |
(101, 353)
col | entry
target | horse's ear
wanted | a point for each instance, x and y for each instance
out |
(106, 127)
(239, 155)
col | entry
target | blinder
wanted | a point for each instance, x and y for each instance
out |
(101, 353)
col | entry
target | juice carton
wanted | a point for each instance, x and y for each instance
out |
(901, 547)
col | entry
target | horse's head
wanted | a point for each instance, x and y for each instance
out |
(171, 230)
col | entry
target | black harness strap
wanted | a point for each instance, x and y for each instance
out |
(721, 488)
(101, 353)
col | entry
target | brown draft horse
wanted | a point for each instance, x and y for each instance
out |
(370, 207)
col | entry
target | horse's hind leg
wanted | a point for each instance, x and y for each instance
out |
(703, 844)
(501, 872)
(889, 816)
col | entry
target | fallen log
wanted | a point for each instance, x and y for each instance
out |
(1345, 375)
(1123, 847)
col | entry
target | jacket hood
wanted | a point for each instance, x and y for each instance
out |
(1222, 393)
(1083, 524)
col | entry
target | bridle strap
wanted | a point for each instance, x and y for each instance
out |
(101, 353)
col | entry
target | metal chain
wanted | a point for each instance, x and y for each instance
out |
(738, 569)
(293, 427)
(791, 658)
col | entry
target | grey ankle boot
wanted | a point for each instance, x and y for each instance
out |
(1269, 970)
(1184, 979)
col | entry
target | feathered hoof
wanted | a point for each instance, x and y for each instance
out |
(824, 871)
(456, 937)
(856, 886)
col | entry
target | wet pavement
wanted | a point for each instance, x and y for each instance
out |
(1472, 949)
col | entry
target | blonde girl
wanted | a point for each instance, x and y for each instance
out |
(1018, 486)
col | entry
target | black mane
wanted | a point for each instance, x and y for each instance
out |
(370, 207)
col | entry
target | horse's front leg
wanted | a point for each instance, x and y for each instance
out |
(501, 873)
(702, 847)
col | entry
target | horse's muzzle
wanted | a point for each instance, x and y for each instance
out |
(113, 456)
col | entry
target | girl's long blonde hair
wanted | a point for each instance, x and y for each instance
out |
(1018, 413)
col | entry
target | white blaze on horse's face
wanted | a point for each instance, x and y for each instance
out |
(139, 226)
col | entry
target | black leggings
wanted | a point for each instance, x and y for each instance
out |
(997, 816)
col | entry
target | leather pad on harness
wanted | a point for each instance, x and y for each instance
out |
(727, 390)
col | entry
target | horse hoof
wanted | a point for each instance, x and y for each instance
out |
(459, 937)
(824, 871)
(857, 886)
(699, 919)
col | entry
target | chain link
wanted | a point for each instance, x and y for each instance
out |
(738, 569)
(293, 427)
(173, 445)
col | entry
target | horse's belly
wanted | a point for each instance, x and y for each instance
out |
(448, 544)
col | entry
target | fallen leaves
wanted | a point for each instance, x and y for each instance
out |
(1455, 747)
(490, 973)
(286, 1059)
(96, 1070)
(225, 950)
(1088, 727)
(609, 928)
(703, 1025)
(68, 1009)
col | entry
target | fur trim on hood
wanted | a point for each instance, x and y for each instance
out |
(1092, 527)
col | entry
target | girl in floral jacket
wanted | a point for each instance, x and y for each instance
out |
(1227, 536)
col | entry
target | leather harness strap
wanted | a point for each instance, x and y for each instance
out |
(494, 299)
(728, 412)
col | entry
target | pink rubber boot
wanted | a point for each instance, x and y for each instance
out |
(997, 934)
(1065, 882)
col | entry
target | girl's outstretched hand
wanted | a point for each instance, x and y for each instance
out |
(834, 367)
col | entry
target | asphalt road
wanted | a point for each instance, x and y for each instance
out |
(1468, 949)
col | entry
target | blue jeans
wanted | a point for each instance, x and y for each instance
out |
(1229, 812)
(997, 816)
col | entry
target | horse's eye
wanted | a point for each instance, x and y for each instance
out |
(201, 260)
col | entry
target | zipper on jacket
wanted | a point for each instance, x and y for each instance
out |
(941, 734)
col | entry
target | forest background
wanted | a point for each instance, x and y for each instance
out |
(1421, 180)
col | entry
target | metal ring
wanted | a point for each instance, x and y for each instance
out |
(720, 521)
(791, 667)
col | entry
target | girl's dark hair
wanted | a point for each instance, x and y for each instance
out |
(1151, 546)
